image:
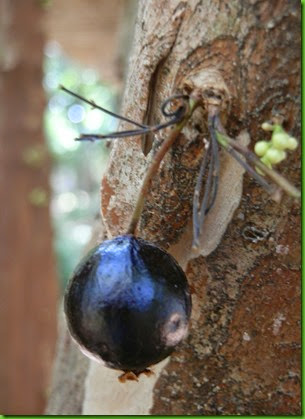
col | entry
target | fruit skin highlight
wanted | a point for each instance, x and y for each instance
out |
(128, 304)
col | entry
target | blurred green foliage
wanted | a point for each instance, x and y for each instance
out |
(77, 167)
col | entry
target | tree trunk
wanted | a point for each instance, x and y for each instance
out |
(242, 355)
(28, 285)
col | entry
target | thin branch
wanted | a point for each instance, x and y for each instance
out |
(176, 116)
(94, 105)
(205, 200)
(133, 133)
(152, 170)
(196, 210)
(269, 188)
(216, 163)
(211, 186)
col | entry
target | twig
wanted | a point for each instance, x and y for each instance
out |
(152, 170)
(175, 117)
(211, 185)
(227, 143)
(133, 133)
(196, 209)
(215, 155)
(94, 105)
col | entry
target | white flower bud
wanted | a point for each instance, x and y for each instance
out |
(266, 126)
(292, 143)
(261, 147)
(266, 161)
(275, 156)
(280, 140)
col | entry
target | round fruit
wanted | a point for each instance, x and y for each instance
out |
(292, 143)
(275, 156)
(261, 147)
(128, 304)
(280, 140)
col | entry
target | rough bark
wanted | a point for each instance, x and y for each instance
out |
(242, 355)
(28, 284)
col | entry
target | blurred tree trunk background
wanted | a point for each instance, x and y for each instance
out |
(28, 284)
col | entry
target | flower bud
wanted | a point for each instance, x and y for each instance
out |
(266, 161)
(266, 126)
(261, 147)
(292, 143)
(275, 156)
(280, 140)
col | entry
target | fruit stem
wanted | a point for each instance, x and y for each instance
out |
(153, 168)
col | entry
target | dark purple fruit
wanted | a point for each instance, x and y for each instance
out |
(128, 304)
